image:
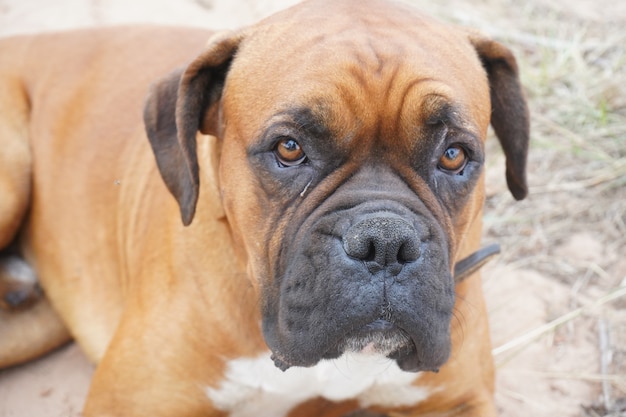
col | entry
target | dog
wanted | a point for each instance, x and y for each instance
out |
(282, 221)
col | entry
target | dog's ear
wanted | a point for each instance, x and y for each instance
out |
(180, 105)
(509, 111)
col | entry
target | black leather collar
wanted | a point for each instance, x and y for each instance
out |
(467, 266)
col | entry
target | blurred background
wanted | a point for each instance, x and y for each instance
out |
(557, 293)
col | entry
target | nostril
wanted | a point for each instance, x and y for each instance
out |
(370, 256)
(409, 252)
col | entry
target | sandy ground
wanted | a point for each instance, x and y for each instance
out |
(550, 375)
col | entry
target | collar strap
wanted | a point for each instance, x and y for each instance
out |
(467, 266)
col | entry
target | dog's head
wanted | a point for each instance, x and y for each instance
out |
(352, 150)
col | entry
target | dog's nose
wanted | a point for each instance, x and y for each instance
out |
(383, 243)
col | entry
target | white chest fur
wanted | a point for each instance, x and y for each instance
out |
(254, 385)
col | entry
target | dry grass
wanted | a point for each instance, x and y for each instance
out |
(575, 76)
(576, 83)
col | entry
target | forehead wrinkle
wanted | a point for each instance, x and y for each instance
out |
(363, 88)
(438, 108)
(405, 116)
(383, 111)
(305, 119)
(377, 76)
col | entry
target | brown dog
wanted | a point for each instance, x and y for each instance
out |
(335, 186)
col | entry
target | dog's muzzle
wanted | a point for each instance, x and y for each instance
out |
(373, 279)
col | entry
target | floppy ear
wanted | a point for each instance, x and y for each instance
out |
(180, 105)
(509, 111)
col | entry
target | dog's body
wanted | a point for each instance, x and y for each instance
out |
(340, 185)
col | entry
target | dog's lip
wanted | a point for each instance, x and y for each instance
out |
(405, 355)
(407, 359)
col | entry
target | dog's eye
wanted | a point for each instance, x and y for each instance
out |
(453, 159)
(289, 153)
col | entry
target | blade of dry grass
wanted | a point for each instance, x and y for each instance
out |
(581, 376)
(605, 360)
(529, 337)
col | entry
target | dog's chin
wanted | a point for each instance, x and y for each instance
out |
(380, 338)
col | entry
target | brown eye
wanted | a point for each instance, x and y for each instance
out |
(289, 153)
(453, 159)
